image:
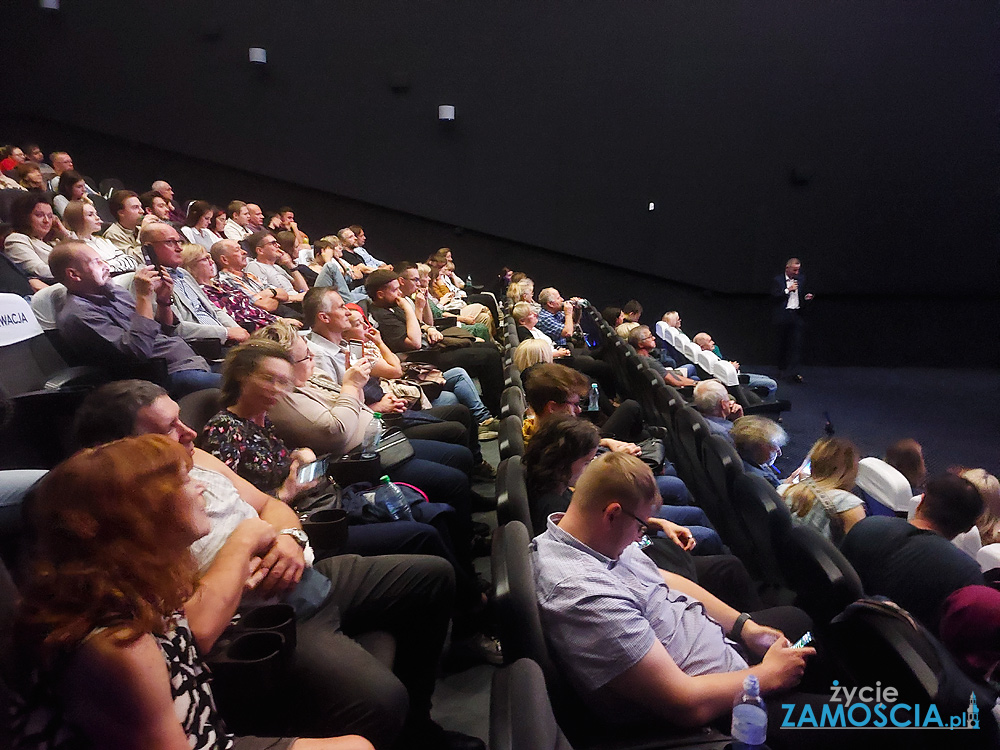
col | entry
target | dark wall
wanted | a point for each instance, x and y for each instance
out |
(844, 329)
(860, 135)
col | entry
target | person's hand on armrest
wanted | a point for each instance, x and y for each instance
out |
(619, 446)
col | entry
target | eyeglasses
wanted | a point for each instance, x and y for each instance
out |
(277, 381)
(644, 540)
(175, 242)
(309, 355)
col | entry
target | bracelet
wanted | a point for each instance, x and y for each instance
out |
(734, 634)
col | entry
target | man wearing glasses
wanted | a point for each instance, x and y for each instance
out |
(197, 317)
(275, 267)
(636, 641)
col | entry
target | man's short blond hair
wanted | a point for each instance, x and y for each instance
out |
(615, 478)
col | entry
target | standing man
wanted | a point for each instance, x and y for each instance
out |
(788, 290)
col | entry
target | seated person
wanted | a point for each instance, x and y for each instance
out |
(458, 399)
(644, 343)
(197, 226)
(914, 562)
(124, 662)
(554, 389)
(72, 187)
(558, 453)
(337, 272)
(660, 655)
(198, 262)
(237, 225)
(475, 317)
(274, 267)
(531, 352)
(402, 331)
(127, 209)
(673, 319)
(82, 219)
(520, 290)
(632, 310)
(970, 628)
(354, 240)
(526, 316)
(988, 522)
(106, 326)
(155, 205)
(338, 686)
(332, 323)
(718, 408)
(231, 261)
(821, 497)
(255, 378)
(30, 177)
(197, 317)
(759, 441)
(755, 381)
(907, 457)
(34, 225)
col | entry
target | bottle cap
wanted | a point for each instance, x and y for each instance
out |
(377, 414)
(385, 480)
(751, 684)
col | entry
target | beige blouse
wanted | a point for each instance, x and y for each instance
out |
(318, 416)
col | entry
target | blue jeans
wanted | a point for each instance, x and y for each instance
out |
(707, 539)
(189, 381)
(459, 389)
(673, 490)
(762, 380)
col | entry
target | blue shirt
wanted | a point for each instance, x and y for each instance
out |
(551, 324)
(601, 616)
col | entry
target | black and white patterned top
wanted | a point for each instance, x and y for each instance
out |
(40, 723)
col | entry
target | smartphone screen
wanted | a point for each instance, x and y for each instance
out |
(312, 471)
(804, 641)
(357, 349)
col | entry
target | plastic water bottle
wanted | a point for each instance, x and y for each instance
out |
(394, 500)
(749, 728)
(595, 398)
(468, 280)
(373, 435)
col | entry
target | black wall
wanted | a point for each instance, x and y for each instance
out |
(859, 135)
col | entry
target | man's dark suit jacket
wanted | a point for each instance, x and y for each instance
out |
(781, 299)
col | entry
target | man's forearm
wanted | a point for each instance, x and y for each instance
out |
(279, 515)
(413, 338)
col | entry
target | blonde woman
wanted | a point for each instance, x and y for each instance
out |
(989, 489)
(822, 499)
(521, 291)
(531, 352)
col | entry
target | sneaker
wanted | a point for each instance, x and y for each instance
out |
(488, 429)
(484, 472)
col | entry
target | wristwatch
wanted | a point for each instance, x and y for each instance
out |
(736, 633)
(298, 535)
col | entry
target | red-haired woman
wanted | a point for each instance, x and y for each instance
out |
(115, 660)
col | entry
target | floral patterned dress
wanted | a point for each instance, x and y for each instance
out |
(252, 451)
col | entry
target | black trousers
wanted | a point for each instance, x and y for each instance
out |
(790, 327)
(339, 688)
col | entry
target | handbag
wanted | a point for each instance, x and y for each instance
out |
(393, 449)
(653, 454)
(409, 391)
(430, 378)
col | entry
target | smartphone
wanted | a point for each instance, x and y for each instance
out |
(312, 471)
(150, 257)
(804, 641)
(357, 349)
